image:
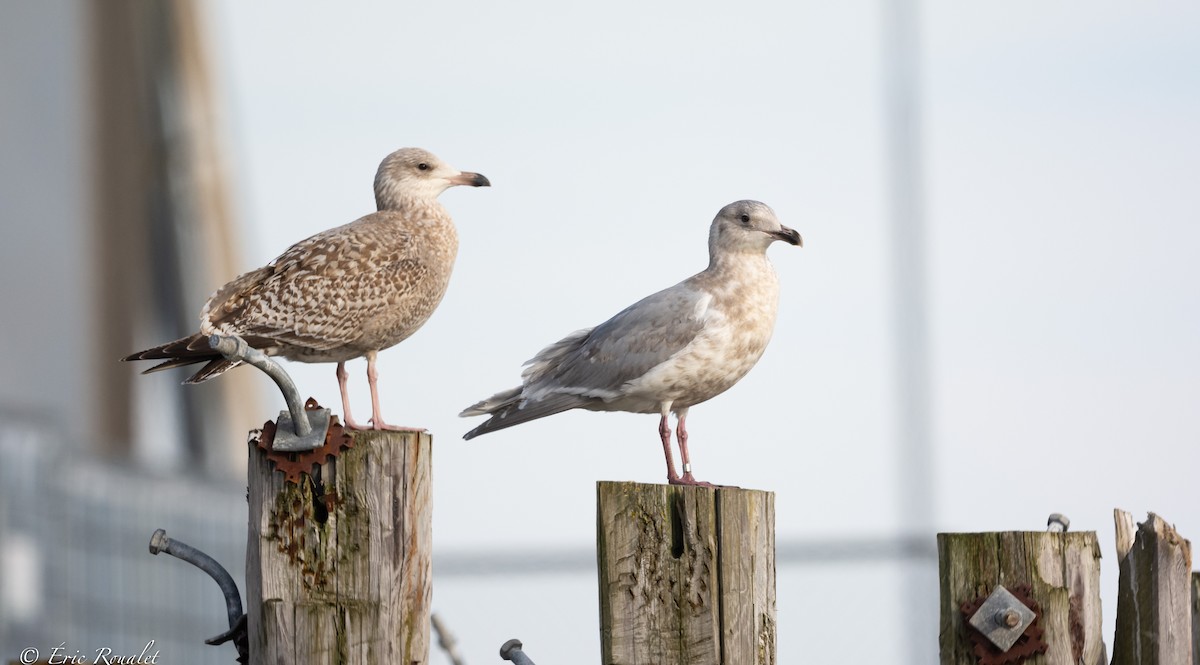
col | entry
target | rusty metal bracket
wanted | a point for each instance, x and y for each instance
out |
(1003, 626)
(1002, 618)
(299, 429)
(294, 464)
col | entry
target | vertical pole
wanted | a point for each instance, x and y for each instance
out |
(902, 123)
(1195, 618)
(687, 574)
(339, 565)
(1154, 614)
(163, 223)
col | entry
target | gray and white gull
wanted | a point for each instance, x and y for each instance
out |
(345, 293)
(667, 352)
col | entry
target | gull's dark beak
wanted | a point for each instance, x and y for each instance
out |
(787, 235)
(472, 179)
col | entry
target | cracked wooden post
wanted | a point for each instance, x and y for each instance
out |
(338, 566)
(1196, 618)
(1062, 571)
(687, 575)
(1154, 613)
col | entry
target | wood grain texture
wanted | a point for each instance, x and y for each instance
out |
(746, 550)
(687, 575)
(1063, 571)
(1154, 613)
(338, 567)
(1195, 618)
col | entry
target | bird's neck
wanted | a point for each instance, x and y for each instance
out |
(392, 194)
(750, 259)
(400, 203)
(738, 275)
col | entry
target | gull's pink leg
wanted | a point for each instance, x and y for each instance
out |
(376, 418)
(343, 377)
(664, 431)
(681, 433)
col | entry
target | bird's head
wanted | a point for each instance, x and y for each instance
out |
(748, 226)
(413, 173)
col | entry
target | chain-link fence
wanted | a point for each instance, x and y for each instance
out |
(75, 569)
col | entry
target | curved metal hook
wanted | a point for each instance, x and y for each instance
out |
(159, 542)
(309, 427)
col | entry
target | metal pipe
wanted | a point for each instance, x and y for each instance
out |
(159, 542)
(233, 347)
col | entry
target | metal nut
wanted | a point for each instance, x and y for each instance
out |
(1002, 618)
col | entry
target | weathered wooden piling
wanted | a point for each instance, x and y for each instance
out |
(687, 575)
(339, 564)
(1061, 571)
(1154, 608)
(1195, 618)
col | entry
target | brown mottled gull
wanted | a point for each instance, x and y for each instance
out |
(669, 351)
(344, 293)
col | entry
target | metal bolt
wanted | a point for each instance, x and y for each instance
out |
(1009, 618)
(158, 541)
(511, 651)
(1057, 523)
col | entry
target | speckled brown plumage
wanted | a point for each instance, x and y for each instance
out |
(345, 293)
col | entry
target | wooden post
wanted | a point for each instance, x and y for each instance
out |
(1062, 570)
(687, 575)
(338, 566)
(1154, 614)
(1196, 618)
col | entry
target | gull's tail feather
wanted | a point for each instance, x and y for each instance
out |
(192, 348)
(188, 351)
(181, 352)
(500, 400)
(215, 367)
(508, 408)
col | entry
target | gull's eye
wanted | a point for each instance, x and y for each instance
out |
(423, 166)
(745, 219)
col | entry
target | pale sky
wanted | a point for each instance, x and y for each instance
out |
(1062, 152)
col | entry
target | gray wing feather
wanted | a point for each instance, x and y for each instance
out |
(597, 362)
(594, 364)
